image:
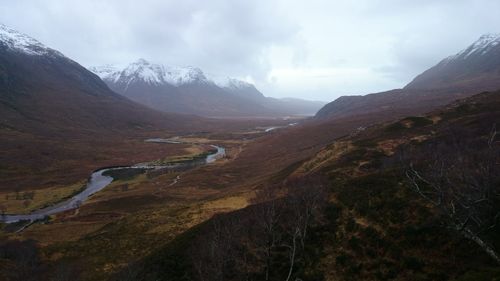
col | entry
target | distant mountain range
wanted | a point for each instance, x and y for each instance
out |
(473, 70)
(189, 90)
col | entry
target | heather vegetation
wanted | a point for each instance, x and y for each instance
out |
(383, 221)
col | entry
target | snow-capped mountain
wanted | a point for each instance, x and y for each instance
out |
(173, 89)
(477, 66)
(481, 47)
(228, 82)
(144, 71)
(22, 43)
(189, 90)
(157, 74)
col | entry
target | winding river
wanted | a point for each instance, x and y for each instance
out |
(97, 182)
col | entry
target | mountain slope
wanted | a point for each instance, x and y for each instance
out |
(188, 90)
(473, 70)
(248, 91)
(388, 105)
(476, 67)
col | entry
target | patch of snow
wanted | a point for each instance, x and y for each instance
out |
(229, 82)
(184, 75)
(151, 73)
(158, 74)
(238, 84)
(106, 72)
(482, 46)
(20, 42)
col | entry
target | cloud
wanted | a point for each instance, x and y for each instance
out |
(225, 37)
(316, 49)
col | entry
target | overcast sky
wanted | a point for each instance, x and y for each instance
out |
(311, 49)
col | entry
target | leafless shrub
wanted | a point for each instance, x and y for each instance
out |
(306, 197)
(267, 216)
(461, 179)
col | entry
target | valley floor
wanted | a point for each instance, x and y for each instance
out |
(363, 220)
(137, 212)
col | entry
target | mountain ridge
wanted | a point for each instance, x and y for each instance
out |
(474, 69)
(189, 90)
(478, 65)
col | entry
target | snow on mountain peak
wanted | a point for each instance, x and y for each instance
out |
(229, 82)
(185, 75)
(151, 73)
(157, 74)
(489, 38)
(484, 44)
(238, 84)
(20, 42)
(105, 71)
(144, 70)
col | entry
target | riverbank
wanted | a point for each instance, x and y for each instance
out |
(99, 180)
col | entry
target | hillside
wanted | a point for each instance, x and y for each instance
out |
(371, 225)
(475, 68)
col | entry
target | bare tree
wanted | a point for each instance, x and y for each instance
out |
(267, 215)
(461, 179)
(294, 231)
(306, 196)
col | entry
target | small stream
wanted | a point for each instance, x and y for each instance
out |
(97, 182)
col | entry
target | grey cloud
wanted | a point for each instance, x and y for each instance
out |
(227, 37)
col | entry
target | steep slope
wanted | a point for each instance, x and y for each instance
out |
(188, 90)
(473, 70)
(368, 175)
